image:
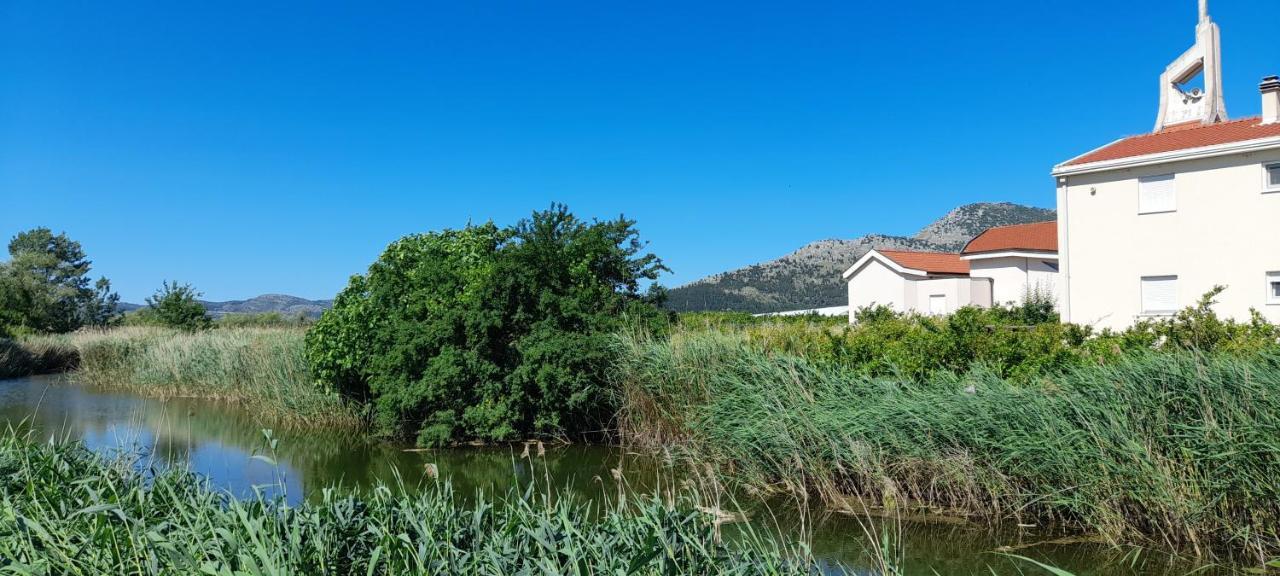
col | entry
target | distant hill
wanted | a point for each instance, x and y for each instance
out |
(282, 303)
(810, 276)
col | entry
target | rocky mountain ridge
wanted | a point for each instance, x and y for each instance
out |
(810, 276)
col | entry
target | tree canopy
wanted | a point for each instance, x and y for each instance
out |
(177, 306)
(45, 286)
(489, 333)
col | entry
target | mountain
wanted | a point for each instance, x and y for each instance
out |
(810, 276)
(282, 303)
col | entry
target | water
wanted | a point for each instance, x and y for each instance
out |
(220, 442)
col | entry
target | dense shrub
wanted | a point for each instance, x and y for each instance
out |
(1020, 342)
(488, 333)
(177, 306)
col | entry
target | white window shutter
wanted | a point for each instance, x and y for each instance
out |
(1157, 194)
(1159, 294)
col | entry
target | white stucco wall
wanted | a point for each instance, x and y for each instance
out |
(877, 284)
(1011, 276)
(1225, 230)
(956, 291)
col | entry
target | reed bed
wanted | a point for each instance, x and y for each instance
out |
(1175, 450)
(263, 370)
(29, 356)
(66, 511)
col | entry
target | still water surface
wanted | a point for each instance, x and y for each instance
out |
(219, 442)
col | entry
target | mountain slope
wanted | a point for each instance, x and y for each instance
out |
(810, 276)
(284, 304)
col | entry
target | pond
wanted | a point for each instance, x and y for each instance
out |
(220, 441)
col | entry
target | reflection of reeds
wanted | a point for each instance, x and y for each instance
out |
(70, 512)
(261, 369)
(1173, 450)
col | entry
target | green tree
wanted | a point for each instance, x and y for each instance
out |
(178, 306)
(487, 332)
(45, 285)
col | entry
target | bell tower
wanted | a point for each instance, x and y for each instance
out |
(1181, 103)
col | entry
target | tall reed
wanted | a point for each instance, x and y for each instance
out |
(262, 369)
(1176, 450)
(65, 511)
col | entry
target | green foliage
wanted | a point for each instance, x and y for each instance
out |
(1166, 448)
(261, 320)
(177, 306)
(489, 333)
(64, 511)
(1021, 342)
(45, 286)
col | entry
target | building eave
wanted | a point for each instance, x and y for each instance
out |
(1242, 147)
(1043, 255)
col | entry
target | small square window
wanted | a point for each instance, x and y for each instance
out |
(1159, 294)
(1273, 288)
(1272, 183)
(1157, 194)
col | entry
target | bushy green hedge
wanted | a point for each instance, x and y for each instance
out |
(489, 333)
(1020, 342)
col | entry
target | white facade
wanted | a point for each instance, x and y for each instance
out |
(1223, 228)
(876, 280)
(1015, 274)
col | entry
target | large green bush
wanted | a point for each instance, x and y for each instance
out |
(489, 333)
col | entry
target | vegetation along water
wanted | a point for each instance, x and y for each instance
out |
(1163, 436)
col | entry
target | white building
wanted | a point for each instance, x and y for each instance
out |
(1019, 260)
(1150, 223)
(924, 282)
(1002, 265)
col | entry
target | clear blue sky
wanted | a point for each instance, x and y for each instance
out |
(252, 147)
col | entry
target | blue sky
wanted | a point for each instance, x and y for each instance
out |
(253, 147)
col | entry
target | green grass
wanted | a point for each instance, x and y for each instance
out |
(1173, 450)
(261, 369)
(65, 511)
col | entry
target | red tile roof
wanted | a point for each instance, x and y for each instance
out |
(930, 262)
(1181, 137)
(1038, 237)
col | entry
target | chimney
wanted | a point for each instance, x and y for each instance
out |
(1270, 88)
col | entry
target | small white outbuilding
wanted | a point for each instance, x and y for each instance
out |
(923, 282)
(1002, 265)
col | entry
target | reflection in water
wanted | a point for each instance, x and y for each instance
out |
(219, 442)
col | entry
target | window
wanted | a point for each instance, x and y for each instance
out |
(1272, 174)
(1273, 288)
(937, 304)
(1159, 294)
(1157, 194)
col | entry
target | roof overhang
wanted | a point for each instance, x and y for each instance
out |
(1011, 254)
(1242, 147)
(881, 258)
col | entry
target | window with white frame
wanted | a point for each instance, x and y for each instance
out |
(1157, 194)
(1273, 288)
(1271, 175)
(1159, 294)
